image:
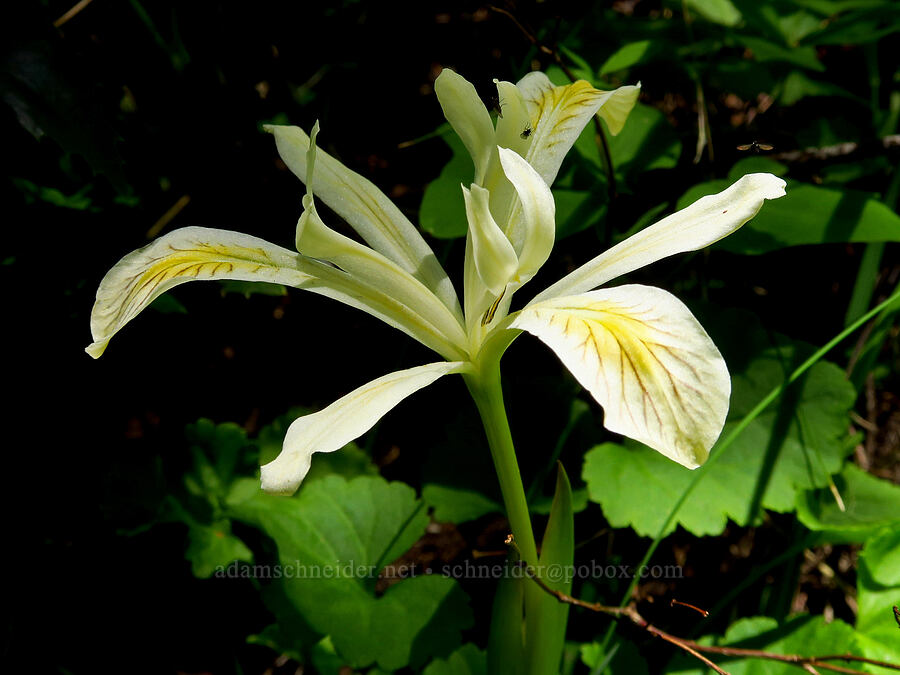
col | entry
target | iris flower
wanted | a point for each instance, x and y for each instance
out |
(637, 349)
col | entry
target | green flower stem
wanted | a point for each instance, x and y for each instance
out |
(488, 395)
(485, 386)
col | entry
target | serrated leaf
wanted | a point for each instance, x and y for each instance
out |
(213, 547)
(337, 535)
(871, 505)
(794, 445)
(807, 214)
(467, 660)
(877, 632)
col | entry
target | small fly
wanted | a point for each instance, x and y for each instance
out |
(527, 132)
(756, 146)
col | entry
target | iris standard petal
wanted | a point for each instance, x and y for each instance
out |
(645, 358)
(495, 259)
(368, 211)
(469, 118)
(559, 114)
(702, 223)
(532, 221)
(344, 420)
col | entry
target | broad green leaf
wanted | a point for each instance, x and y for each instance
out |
(877, 632)
(793, 446)
(797, 86)
(764, 50)
(336, 536)
(443, 212)
(871, 505)
(803, 635)
(213, 547)
(646, 142)
(630, 55)
(882, 556)
(718, 11)
(577, 210)
(467, 660)
(457, 505)
(807, 214)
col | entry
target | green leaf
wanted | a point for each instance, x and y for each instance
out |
(877, 632)
(755, 165)
(457, 505)
(808, 214)
(576, 210)
(623, 659)
(248, 288)
(546, 634)
(443, 212)
(794, 445)
(467, 660)
(797, 86)
(78, 201)
(646, 142)
(764, 50)
(871, 505)
(335, 537)
(882, 556)
(213, 547)
(722, 12)
(804, 635)
(630, 55)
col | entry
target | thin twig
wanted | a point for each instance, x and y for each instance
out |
(836, 151)
(75, 9)
(807, 663)
(167, 217)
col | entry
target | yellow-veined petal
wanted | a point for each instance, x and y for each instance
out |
(558, 115)
(368, 211)
(495, 259)
(644, 357)
(469, 118)
(344, 420)
(616, 108)
(194, 253)
(702, 223)
(532, 222)
(184, 255)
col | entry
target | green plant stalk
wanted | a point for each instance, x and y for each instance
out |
(738, 430)
(486, 389)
